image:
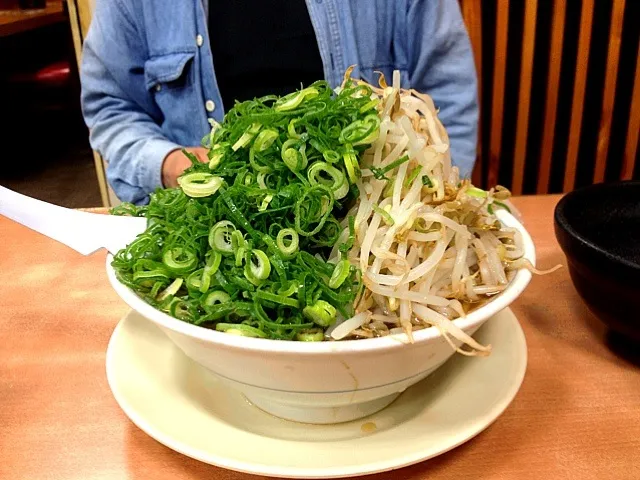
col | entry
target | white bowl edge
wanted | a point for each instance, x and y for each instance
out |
(476, 317)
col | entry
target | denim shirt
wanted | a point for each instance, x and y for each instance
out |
(149, 85)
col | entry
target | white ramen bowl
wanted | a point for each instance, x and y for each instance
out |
(323, 382)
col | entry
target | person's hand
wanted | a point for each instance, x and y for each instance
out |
(176, 162)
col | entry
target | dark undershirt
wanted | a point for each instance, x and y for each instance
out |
(262, 47)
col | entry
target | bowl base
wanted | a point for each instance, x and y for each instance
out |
(322, 415)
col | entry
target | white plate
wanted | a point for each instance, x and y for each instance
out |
(183, 407)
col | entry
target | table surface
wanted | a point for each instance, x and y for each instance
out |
(17, 21)
(577, 415)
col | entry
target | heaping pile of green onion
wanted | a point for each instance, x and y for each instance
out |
(242, 245)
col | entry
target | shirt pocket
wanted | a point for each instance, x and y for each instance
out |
(171, 80)
(172, 70)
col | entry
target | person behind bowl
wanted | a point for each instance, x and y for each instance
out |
(156, 73)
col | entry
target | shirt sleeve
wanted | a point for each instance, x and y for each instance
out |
(121, 130)
(441, 65)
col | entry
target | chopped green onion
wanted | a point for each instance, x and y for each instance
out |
(195, 280)
(348, 245)
(156, 289)
(291, 129)
(490, 208)
(180, 260)
(310, 335)
(361, 131)
(192, 158)
(260, 180)
(310, 196)
(199, 185)
(368, 106)
(215, 297)
(290, 290)
(212, 265)
(260, 168)
(388, 189)
(149, 277)
(340, 274)
(321, 313)
(379, 173)
(476, 192)
(265, 203)
(351, 164)
(240, 253)
(337, 181)
(257, 268)
(293, 100)
(240, 329)
(171, 289)
(331, 156)
(216, 154)
(179, 309)
(294, 159)
(292, 248)
(263, 151)
(264, 140)
(280, 299)
(213, 260)
(246, 137)
(388, 219)
(412, 176)
(432, 185)
(220, 236)
(237, 241)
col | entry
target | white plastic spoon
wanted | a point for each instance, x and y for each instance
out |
(83, 231)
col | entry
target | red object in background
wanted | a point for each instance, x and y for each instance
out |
(57, 74)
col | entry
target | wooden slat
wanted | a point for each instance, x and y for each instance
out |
(80, 12)
(579, 87)
(76, 32)
(85, 9)
(497, 94)
(553, 85)
(524, 95)
(472, 15)
(630, 149)
(609, 96)
(102, 179)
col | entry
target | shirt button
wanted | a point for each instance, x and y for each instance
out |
(158, 87)
(210, 106)
(199, 40)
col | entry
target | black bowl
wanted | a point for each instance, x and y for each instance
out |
(598, 228)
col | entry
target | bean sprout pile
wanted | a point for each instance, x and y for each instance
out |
(428, 244)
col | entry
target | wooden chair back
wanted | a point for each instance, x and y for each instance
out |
(80, 12)
(555, 112)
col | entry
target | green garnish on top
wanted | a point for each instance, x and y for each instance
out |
(242, 245)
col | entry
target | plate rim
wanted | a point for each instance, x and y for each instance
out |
(369, 468)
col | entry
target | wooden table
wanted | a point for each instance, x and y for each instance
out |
(577, 415)
(17, 21)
